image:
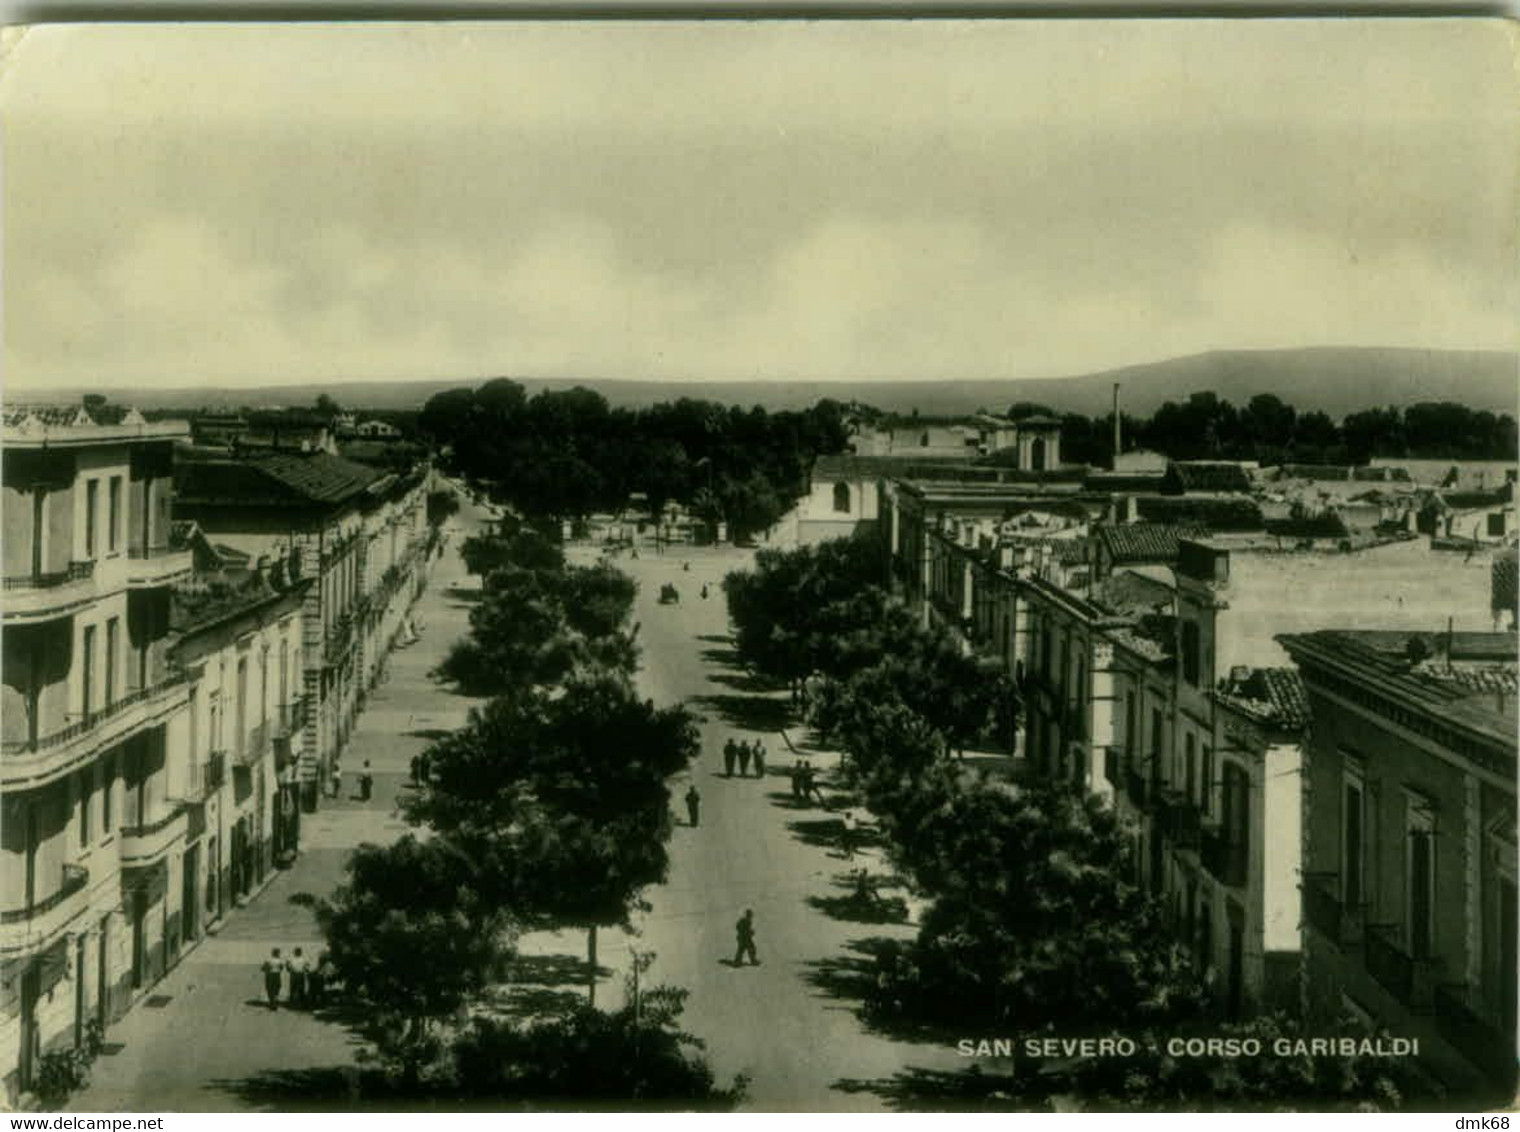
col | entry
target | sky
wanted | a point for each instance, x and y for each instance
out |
(201, 205)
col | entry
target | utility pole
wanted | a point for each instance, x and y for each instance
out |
(1117, 438)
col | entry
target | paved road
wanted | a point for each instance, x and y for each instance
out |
(789, 1024)
(784, 1023)
(213, 1046)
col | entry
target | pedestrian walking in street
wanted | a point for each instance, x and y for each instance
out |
(704, 591)
(744, 756)
(759, 759)
(336, 780)
(274, 970)
(847, 838)
(744, 930)
(796, 776)
(693, 804)
(366, 783)
(300, 972)
(316, 982)
(326, 976)
(730, 756)
(416, 770)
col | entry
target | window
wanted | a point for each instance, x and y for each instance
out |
(1236, 818)
(1190, 666)
(1353, 823)
(1420, 875)
(842, 498)
(84, 807)
(113, 515)
(923, 440)
(1189, 769)
(113, 644)
(87, 662)
(107, 795)
(91, 515)
(1156, 736)
(1206, 787)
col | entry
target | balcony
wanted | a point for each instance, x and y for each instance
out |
(1178, 819)
(1141, 789)
(1396, 970)
(1224, 858)
(1480, 1041)
(34, 927)
(26, 760)
(30, 597)
(1323, 911)
(157, 565)
(255, 747)
(1111, 767)
(289, 718)
(147, 844)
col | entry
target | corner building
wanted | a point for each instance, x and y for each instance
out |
(91, 832)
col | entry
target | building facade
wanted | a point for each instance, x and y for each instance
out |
(94, 710)
(1409, 841)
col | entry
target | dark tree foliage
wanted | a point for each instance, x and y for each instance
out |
(790, 610)
(562, 802)
(441, 505)
(412, 940)
(565, 454)
(590, 1059)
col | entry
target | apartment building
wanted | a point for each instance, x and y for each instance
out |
(239, 642)
(1409, 840)
(91, 833)
(359, 534)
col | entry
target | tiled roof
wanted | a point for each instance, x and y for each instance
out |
(1147, 543)
(1273, 695)
(317, 476)
(1209, 475)
(1148, 638)
(1474, 678)
(1216, 514)
(1503, 585)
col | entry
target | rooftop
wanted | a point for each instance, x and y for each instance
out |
(1147, 543)
(1208, 475)
(268, 478)
(72, 426)
(1126, 593)
(1480, 701)
(1271, 695)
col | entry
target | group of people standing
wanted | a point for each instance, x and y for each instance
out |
(804, 782)
(309, 982)
(743, 753)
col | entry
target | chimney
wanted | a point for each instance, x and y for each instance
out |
(1117, 448)
(1131, 509)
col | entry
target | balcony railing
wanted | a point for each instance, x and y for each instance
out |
(74, 879)
(1388, 963)
(155, 565)
(1223, 857)
(91, 721)
(255, 746)
(1482, 1042)
(148, 842)
(289, 717)
(74, 572)
(1179, 819)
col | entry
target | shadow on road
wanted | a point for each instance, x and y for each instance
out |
(716, 640)
(852, 977)
(853, 910)
(752, 684)
(431, 734)
(729, 658)
(828, 833)
(333, 1089)
(935, 1090)
(748, 712)
(553, 971)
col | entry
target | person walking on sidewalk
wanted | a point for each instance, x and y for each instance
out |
(847, 838)
(759, 759)
(274, 969)
(300, 974)
(744, 930)
(336, 783)
(743, 758)
(366, 783)
(693, 804)
(730, 755)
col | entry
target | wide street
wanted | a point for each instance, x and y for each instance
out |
(789, 1024)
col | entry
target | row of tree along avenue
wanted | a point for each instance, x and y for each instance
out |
(549, 809)
(1033, 925)
(567, 454)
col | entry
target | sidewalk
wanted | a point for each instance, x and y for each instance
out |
(204, 1030)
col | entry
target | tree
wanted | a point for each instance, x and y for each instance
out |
(440, 506)
(412, 940)
(326, 406)
(564, 800)
(635, 1055)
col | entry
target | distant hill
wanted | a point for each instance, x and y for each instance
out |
(1334, 380)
